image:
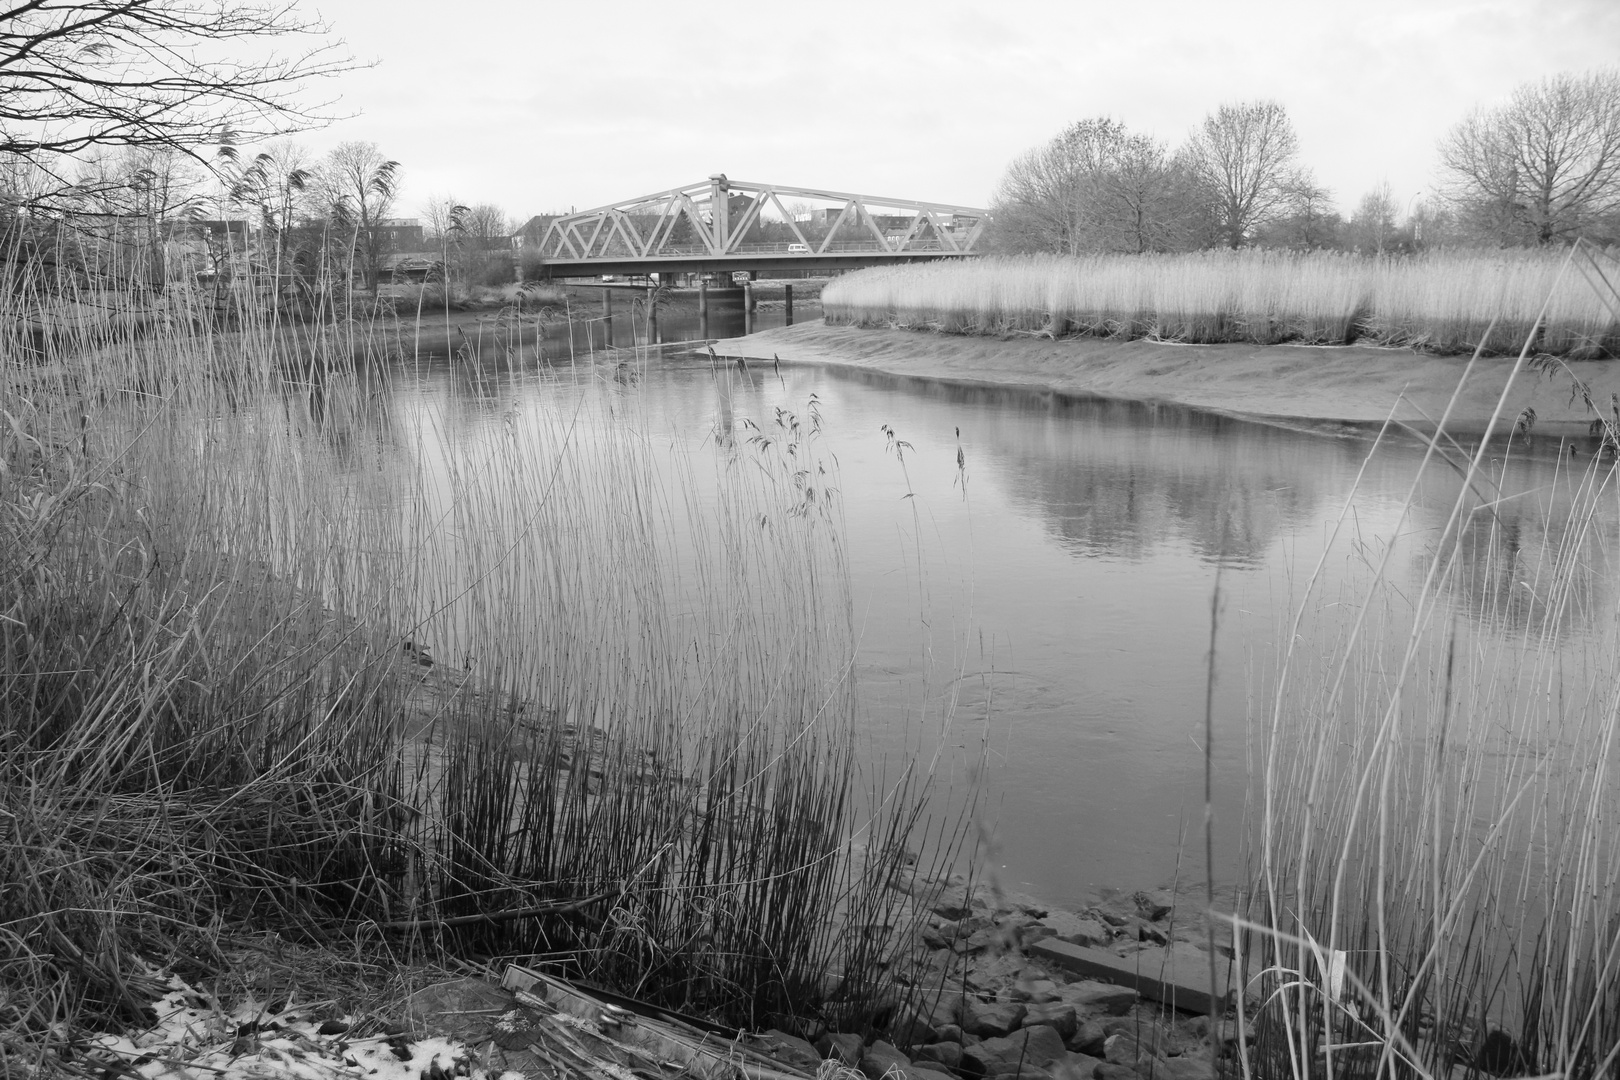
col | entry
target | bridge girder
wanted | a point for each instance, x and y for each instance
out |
(644, 228)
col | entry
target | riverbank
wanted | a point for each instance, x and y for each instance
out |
(1314, 386)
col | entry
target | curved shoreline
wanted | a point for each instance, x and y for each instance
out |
(1313, 387)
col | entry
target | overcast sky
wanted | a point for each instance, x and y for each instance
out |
(540, 106)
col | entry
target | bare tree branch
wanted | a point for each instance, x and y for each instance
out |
(1543, 168)
(1243, 155)
(77, 74)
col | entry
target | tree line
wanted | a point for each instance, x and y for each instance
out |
(1542, 168)
(310, 224)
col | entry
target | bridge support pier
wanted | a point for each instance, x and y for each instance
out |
(652, 316)
(787, 303)
(703, 310)
(607, 318)
(748, 306)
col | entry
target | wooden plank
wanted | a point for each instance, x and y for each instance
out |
(667, 1041)
(1177, 976)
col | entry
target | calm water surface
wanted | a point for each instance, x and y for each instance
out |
(1051, 594)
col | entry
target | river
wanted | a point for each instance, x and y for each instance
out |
(1048, 592)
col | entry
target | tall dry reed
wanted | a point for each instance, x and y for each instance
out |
(1436, 868)
(222, 545)
(1440, 302)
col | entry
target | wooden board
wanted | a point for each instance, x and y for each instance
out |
(1177, 976)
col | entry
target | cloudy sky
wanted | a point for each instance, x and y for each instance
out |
(537, 105)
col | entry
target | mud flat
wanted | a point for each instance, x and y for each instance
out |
(1310, 386)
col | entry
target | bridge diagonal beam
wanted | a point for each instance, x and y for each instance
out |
(826, 241)
(791, 224)
(911, 230)
(866, 217)
(627, 230)
(596, 230)
(750, 215)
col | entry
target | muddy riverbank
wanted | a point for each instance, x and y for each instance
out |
(1319, 387)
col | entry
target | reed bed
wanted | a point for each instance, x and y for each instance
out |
(222, 548)
(1436, 861)
(1440, 302)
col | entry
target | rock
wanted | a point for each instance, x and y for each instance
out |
(1128, 1051)
(1017, 903)
(880, 1057)
(1112, 915)
(945, 1009)
(1066, 926)
(1143, 930)
(921, 1072)
(1056, 1015)
(910, 1028)
(1154, 904)
(933, 937)
(1036, 1046)
(1074, 1066)
(1035, 990)
(948, 1033)
(964, 927)
(840, 1047)
(1107, 1070)
(1093, 997)
(1189, 1067)
(788, 1049)
(1147, 1031)
(955, 901)
(991, 975)
(948, 1054)
(1089, 1038)
(1499, 1055)
(988, 1019)
(1034, 931)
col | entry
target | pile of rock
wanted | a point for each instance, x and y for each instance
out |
(984, 999)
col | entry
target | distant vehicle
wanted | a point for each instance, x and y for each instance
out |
(798, 249)
(610, 277)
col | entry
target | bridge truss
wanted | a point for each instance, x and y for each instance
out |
(709, 222)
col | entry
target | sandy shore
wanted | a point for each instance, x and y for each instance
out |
(1287, 384)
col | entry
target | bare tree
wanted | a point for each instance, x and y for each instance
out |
(1372, 226)
(486, 227)
(1095, 187)
(1308, 220)
(358, 186)
(76, 74)
(1146, 195)
(1243, 157)
(1543, 167)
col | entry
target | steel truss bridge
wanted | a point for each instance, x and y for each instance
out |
(705, 227)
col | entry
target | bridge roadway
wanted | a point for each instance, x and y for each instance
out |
(703, 263)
